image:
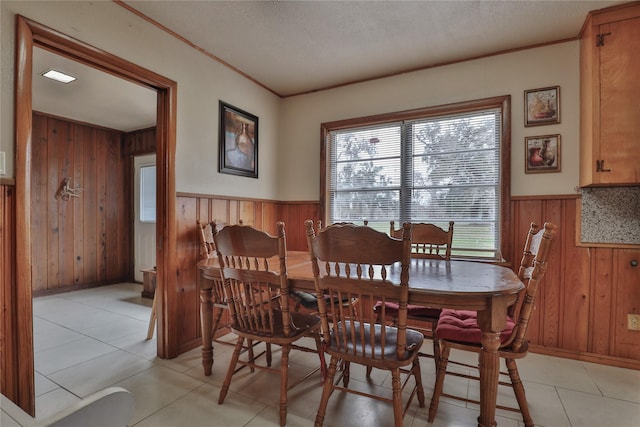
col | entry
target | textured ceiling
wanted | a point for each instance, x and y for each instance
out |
(293, 47)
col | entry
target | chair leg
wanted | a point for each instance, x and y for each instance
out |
(441, 371)
(378, 321)
(216, 321)
(346, 372)
(397, 397)
(284, 377)
(268, 346)
(518, 389)
(418, 378)
(326, 391)
(436, 348)
(232, 367)
(152, 319)
(323, 362)
(251, 355)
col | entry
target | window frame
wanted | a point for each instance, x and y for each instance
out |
(502, 102)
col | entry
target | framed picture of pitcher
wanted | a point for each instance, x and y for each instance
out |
(542, 154)
(542, 106)
(238, 141)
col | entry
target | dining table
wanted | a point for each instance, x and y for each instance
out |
(484, 287)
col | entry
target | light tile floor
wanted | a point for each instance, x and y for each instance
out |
(91, 339)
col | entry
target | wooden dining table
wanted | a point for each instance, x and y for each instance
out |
(483, 287)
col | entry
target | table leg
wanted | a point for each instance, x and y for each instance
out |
(491, 321)
(206, 314)
(489, 376)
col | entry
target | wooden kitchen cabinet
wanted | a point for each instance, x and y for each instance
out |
(610, 97)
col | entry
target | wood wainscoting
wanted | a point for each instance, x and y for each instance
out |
(582, 305)
(262, 214)
(581, 311)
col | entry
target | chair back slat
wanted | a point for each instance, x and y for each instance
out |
(351, 261)
(255, 272)
(428, 241)
(533, 267)
(206, 230)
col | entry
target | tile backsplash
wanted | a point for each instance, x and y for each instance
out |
(611, 215)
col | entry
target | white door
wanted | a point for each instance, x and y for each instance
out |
(144, 226)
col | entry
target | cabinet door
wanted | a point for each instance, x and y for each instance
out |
(626, 279)
(619, 146)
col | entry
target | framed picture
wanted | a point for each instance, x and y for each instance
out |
(542, 154)
(238, 142)
(542, 106)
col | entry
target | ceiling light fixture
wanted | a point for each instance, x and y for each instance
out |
(58, 76)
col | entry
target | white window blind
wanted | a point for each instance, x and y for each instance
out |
(434, 169)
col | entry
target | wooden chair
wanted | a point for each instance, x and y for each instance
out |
(428, 241)
(350, 261)
(308, 300)
(206, 231)
(459, 328)
(254, 269)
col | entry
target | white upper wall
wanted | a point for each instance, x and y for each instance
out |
(289, 129)
(202, 82)
(508, 74)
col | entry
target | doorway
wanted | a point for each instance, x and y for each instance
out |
(21, 387)
(144, 222)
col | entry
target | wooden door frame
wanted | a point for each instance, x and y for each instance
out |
(28, 35)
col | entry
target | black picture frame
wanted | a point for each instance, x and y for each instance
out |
(238, 141)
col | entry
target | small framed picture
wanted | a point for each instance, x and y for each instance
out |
(238, 142)
(542, 106)
(542, 154)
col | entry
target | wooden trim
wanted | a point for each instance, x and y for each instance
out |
(417, 113)
(247, 199)
(22, 303)
(9, 380)
(614, 13)
(546, 197)
(352, 82)
(217, 196)
(30, 34)
(502, 102)
(11, 182)
(193, 45)
(586, 357)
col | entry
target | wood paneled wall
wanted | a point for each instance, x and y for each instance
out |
(580, 312)
(262, 214)
(581, 307)
(85, 240)
(140, 142)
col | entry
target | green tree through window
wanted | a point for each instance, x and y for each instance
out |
(436, 168)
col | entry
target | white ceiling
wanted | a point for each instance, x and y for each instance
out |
(95, 97)
(293, 47)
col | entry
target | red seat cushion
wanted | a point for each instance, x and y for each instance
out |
(462, 326)
(391, 309)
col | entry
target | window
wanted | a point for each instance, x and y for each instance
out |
(148, 194)
(439, 164)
